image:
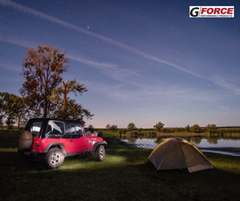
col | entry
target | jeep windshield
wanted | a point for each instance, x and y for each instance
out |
(34, 126)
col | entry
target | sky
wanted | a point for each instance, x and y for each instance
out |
(142, 61)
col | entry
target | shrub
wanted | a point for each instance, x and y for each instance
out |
(195, 128)
(158, 126)
(131, 126)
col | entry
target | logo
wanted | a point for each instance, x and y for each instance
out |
(211, 11)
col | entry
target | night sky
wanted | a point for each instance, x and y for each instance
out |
(142, 61)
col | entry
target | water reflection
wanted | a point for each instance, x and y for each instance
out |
(158, 140)
(210, 144)
(196, 140)
(212, 140)
(218, 143)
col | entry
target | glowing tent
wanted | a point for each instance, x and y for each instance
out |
(177, 153)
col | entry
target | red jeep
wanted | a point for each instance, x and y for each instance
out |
(55, 139)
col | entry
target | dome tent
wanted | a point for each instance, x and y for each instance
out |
(177, 153)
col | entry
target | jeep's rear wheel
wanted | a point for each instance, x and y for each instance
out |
(100, 153)
(54, 158)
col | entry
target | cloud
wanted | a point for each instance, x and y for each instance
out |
(29, 44)
(24, 9)
(153, 93)
(148, 90)
(222, 82)
(109, 69)
(102, 66)
(9, 66)
(17, 41)
(103, 38)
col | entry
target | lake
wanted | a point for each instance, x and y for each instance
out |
(213, 145)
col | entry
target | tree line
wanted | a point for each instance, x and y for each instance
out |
(44, 92)
(159, 127)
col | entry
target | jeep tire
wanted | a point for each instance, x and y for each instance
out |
(99, 153)
(54, 158)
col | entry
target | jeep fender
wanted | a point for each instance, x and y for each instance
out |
(56, 144)
(99, 143)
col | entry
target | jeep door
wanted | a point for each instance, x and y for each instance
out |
(76, 141)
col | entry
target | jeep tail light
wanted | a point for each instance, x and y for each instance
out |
(36, 144)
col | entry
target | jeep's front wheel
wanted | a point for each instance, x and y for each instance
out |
(100, 153)
(54, 158)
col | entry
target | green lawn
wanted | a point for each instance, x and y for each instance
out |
(121, 176)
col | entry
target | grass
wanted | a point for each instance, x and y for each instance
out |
(121, 176)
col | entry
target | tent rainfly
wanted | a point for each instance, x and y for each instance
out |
(177, 153)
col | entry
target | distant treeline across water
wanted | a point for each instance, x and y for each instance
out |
(203, 131)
